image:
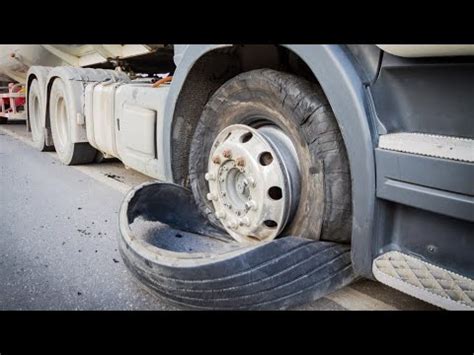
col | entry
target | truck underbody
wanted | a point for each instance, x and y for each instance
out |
(287, 171)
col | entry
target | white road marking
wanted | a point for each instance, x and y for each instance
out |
(16, 135)
(352, 299)
(95, 171)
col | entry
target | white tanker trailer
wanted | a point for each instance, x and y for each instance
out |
(16, 60)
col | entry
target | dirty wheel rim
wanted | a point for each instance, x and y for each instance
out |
(35, 116)
(254, 181)
(60, 113)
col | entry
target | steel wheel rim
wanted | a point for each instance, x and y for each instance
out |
(254, 181)
(62, 126)
(35, 116)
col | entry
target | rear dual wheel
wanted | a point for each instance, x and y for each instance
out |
(62, 117)
(36, 116)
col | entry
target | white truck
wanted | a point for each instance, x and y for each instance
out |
(15, 61)
(285, 171)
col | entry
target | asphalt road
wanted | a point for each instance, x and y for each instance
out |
(58, 239)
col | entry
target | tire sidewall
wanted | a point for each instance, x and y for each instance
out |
(36, 123)
(58, 91)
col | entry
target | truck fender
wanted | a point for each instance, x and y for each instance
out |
(333, 67)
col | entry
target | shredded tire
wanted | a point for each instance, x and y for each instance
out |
(279, 274)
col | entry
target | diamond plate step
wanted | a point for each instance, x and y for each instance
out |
(425, 281)
(445, 147)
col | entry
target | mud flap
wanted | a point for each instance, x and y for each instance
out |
(177, 254)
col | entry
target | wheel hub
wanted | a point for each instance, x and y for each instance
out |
(253, 177)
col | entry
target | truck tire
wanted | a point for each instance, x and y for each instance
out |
(285, 273)
(35, 115)
(36, 106)
(300, 109)
(62, 115)
(278, 274)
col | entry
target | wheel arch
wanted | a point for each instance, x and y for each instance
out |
(333, 68)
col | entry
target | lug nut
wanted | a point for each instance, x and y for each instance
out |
(220, 214)
(251, 181)
(233, 225)
(240, 161)
(209, 177)
(251, 205)
(244, 221)
(211, 197)
(216, 160)
(227, 153)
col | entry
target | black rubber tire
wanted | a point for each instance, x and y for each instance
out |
(300, 108)
(287, 272)
(279, 274)
(35, 116)
(83, 153)
(69, 153)
(99, 157)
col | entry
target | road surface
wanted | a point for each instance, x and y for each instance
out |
(58, 239)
